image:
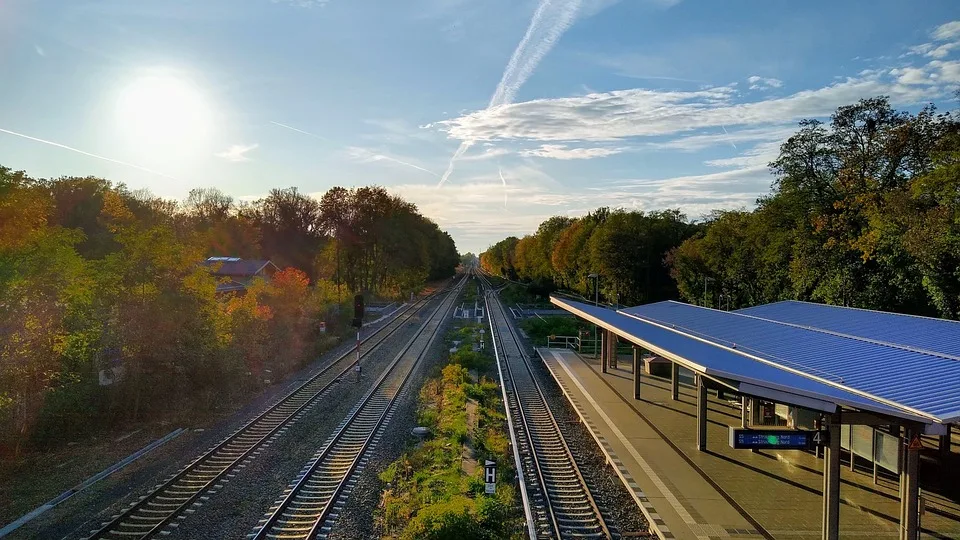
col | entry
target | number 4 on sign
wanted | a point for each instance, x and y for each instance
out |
(820, 438)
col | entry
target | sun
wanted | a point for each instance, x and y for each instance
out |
(163, 112)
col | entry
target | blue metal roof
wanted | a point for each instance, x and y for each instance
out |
(936, 336)
(720, 361)
(925, 384)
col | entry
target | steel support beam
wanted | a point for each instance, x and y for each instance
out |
(910, 488)
(675, 381)
(744, 401)
(701, 413)
(945, 443)
(831, 483)
(612, 350)
(637, 370)
(604, 358)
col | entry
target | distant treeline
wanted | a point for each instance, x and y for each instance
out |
(864, 211)
(96, 277)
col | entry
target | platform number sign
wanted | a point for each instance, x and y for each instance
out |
(818, 438)
(490, 477)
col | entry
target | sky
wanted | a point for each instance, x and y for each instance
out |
(490, 115)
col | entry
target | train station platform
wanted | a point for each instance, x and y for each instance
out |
(720, 492)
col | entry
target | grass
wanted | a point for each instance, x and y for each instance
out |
(428, 495)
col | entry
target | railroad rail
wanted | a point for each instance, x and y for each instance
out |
(311, 505)
(183, 492)
(561, 505)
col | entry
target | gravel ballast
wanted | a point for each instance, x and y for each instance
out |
(241, 499)
(356, 520)
(617, 505)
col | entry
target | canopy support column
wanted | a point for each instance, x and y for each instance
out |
(701, 413)
(675, 380)
(945, 442)
(612, 350)
(910, 488)
(604, 358)
(637, 369)
(831, 482)
(743, 411)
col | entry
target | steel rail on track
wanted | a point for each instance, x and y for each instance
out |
(155, 520)
(536, 393)
(319, 507)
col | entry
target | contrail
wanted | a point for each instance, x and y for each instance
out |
(104, 158)
(299, 130)
(731, 142)
(504, 181)
(378, 157)
(549, 22)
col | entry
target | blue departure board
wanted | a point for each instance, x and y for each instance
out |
(785, 439)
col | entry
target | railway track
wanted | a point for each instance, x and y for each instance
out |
(185, 491)
(311, 505)
(560, 503)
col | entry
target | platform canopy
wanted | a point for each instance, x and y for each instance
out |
(939, 337)
(789, 363)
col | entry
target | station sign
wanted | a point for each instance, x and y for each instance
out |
(490, 477)
(784, 439)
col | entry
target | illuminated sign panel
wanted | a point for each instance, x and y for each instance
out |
(784, 439)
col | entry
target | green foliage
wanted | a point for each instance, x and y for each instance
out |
(539, 329)
(863, 212)
(627, 249)
(428, 494)
(96, 277)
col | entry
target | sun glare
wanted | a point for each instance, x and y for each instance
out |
(163, 111)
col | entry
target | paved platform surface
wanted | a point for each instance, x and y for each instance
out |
(721, 492)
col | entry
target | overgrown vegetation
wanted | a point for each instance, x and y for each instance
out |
(539, 329)
(94, 277)
(863, 212)
(429, 494)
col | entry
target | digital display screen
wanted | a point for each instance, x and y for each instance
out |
(784, 439)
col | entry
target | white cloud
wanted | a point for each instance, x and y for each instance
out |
(559, 151)
(237, 153)
(946, 72)
(910, 75)
(549, 22)
(944, 32)
(763, 83)
(948, 37)
(40, 50)
(489, 152)
(473, 209)
(641, 112)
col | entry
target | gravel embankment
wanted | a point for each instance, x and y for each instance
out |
(356, 520)
(76, 517)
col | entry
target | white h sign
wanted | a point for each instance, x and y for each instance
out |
(490, 477)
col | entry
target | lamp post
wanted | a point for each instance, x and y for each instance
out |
(596, 302)
(706, 279)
